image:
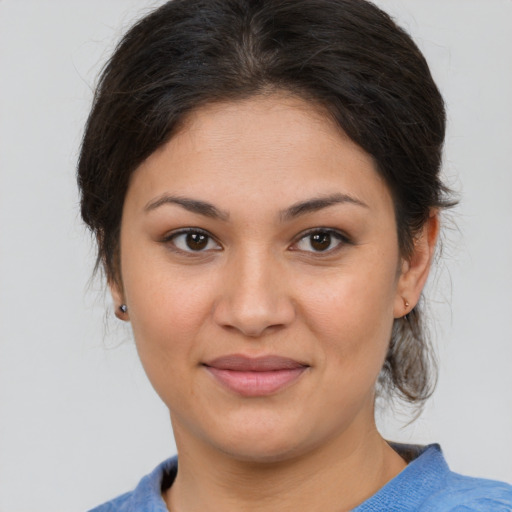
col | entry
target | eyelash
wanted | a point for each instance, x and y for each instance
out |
(171, 240)
(331, 233)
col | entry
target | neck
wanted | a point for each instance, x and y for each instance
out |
(335, 477)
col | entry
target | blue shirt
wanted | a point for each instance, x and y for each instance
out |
(425, 485)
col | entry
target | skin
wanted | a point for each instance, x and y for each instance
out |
(259, 287)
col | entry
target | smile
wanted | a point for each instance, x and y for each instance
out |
(252, 377)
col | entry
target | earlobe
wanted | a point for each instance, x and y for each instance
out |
(415, 270)
(122, 312)
(120, 307)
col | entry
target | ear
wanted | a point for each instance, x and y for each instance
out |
(117, 292)
(415, 269)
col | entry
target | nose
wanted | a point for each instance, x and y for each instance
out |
(253, 298)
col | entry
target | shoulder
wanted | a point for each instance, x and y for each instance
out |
(452, 492)
(146, 497)
(121, 503)
(428, 485)
(465, 494)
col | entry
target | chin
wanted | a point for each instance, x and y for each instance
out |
(264, 443)
(262, 452)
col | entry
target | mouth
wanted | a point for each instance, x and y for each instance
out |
(252, 377)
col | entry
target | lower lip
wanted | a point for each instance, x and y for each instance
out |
(256, 383)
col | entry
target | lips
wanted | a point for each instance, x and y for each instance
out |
(251, 377)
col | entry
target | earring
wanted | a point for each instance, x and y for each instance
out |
(120, 311)
(406, 305)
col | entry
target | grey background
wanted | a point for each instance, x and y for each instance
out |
(78, 421)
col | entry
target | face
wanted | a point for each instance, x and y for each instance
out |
(260, 266)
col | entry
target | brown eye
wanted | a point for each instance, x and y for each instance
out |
(193, 241)
(196, 241)
(321, 241)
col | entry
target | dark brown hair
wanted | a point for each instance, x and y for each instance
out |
(346, 55)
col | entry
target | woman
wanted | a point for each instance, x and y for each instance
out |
(263, 181)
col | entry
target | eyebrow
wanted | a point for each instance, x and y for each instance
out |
(319, 203)
(192, 205)
(296, 210)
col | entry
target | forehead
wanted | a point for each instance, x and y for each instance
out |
(261, 122)
(274, 148)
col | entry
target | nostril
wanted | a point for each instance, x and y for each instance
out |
(254, 320)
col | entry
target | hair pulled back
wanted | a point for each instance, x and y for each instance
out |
(346, 55)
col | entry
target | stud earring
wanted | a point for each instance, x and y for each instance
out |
(123, 308)
(406, 305)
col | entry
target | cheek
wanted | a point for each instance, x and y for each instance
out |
(167, 310)
(168, 316)
(352, 313)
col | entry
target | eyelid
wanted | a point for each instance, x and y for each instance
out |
(168, 238)
(343, 239)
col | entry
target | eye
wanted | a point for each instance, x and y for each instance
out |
(321, 240)
(193, 240)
